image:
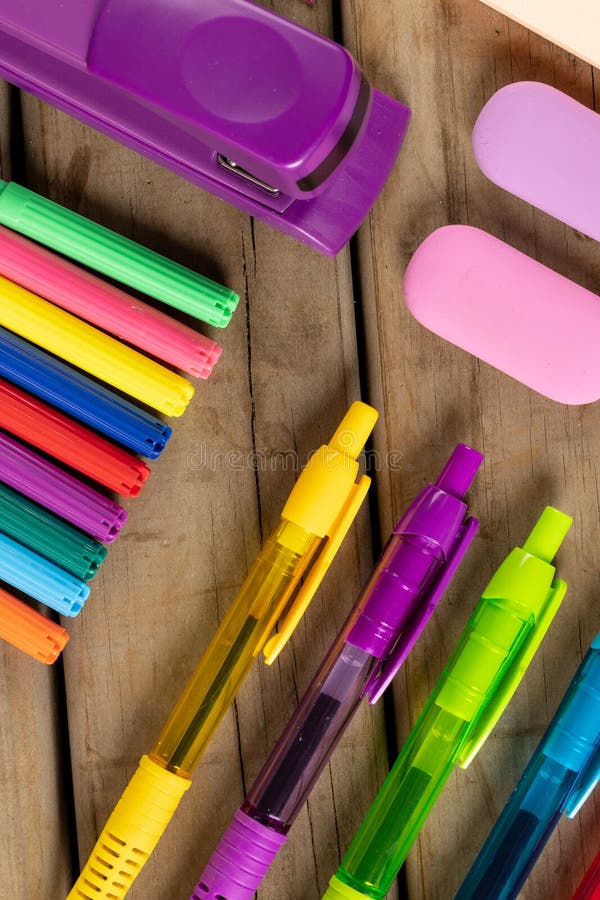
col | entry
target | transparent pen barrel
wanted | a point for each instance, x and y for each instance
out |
(484, 652)
(283, 785)
(403, 803)
(521, 832)
(240, 638)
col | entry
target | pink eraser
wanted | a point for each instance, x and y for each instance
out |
(509, 310)
(544, 147)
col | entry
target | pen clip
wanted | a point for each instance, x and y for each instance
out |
(586, 782)
(389, 668)
(318, 570)
(514, 675)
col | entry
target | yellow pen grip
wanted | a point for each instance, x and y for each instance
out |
(131, 833)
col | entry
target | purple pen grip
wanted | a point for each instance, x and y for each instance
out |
(46, 484)
(240, 862)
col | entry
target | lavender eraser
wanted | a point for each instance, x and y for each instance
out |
(508, 310)
(544, 147)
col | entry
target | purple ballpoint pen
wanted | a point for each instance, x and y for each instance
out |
(414, 570)
(42, 481)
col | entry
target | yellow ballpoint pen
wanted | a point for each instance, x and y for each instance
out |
(315, 519)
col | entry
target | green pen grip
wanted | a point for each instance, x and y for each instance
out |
(46, 534)
(116, 256)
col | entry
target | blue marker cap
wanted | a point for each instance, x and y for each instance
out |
(67, 389)
(41, 579)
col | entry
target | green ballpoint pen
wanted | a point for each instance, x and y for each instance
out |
(485, 669)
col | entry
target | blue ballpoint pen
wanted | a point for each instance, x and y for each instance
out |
(562, 772)
(69, 390)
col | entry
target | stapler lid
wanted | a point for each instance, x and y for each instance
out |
(260, 89)
(44, 49)
(63, 26)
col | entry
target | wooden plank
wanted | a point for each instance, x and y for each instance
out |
(34, 824)
(445, 60)
(35, 859)
(36, 855)
(34, 828)
(289, 372)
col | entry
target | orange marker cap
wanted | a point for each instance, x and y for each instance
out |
(30, 631)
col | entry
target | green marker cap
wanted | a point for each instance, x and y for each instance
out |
(47, 534)
(116, 256)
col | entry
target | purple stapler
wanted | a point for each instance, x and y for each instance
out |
(265, 114)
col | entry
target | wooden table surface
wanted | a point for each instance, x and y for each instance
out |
(310, 336)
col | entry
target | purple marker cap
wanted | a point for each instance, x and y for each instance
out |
(415, 569)
(46, 484)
